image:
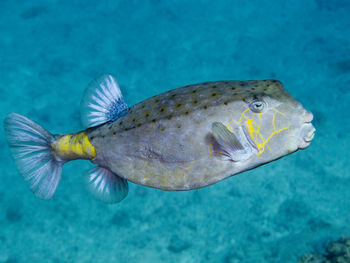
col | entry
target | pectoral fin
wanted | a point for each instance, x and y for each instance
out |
(232, 146)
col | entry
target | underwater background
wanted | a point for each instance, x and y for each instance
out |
(51, 50)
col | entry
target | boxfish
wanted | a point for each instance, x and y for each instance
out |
(183, 139)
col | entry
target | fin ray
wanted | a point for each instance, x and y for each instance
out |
(30, 145)
(106, 186)
(102, 102)
(233, 146)
(224, 136)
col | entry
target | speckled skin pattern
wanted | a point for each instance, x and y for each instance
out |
(166, 141)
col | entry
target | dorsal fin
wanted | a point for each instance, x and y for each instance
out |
(102, 102)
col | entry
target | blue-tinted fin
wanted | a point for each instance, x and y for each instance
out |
(236, 146)
(30, 145)
(102, 102)
(106, 186)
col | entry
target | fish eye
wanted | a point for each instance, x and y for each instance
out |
(257, 106)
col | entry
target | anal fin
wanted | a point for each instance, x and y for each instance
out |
(106, 186)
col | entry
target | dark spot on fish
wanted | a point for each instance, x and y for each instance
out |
(162, 129)
(147, 114)
(179, 126)
(173, 96)
(213, 95)
(138, 125)
(205, 107)
(92, 137)
(243, 84)
(234, 94)
(225, 102)
(186, 112)
(162, 109)
(114, 133)
(120, 123)
(154, 120)
(213, 87)
(233, 88)
(169, 117)
(143, 106)
(157, 100)
(265, 89)
(178, 105)
(195, 101)
(134, 119)
(194, 91)
(252, 88)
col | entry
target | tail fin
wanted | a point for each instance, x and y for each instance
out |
(31, 148)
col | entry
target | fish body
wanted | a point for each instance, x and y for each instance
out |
(165, 141)
(185, 138)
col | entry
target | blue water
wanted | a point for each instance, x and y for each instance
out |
(49, 52)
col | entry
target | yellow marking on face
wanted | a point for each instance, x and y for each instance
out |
(163, 180)
(268, 147)
(74, 146)
(254, 128)
(189, 167)
(272, 108)
(243, 115)
(210, 152)
(221, 152)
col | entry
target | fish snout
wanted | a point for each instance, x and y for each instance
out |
(309, 116)
(307, 132)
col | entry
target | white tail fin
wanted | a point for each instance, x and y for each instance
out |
(31, 148)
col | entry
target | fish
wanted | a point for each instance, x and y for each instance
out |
(183, 139)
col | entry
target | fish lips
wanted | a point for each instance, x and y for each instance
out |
(307, 133)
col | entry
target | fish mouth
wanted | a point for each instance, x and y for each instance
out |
(307, 131)
(306, 135)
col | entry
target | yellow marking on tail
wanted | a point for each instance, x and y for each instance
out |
(74, 146)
